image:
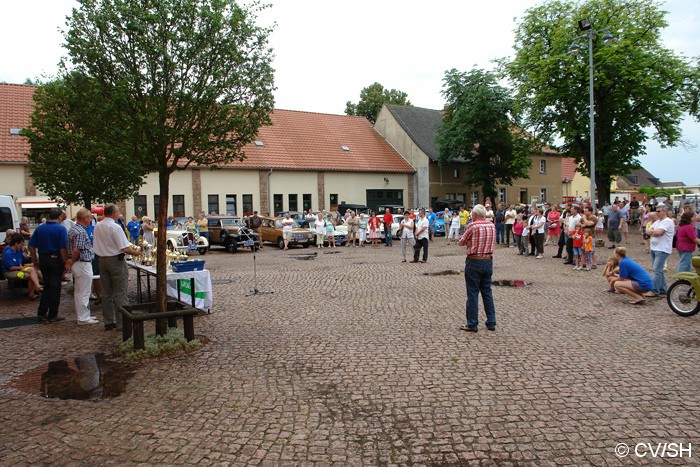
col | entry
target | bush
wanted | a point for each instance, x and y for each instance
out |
(155, 346)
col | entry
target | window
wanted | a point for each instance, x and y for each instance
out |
(6, 221)
(231, 205)
(247, 205)
(334, 199)
(306, 201)
(633, 179)
(277, 204)
(450, 195)
(455, 173)
(293, 205)
(178, 205)
(475, 198)
(543, 194)
(213, 204)
(543, 166)
(140, 208)
(523, 196)
(502, 195)
(156, 205)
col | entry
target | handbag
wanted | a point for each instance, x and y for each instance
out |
(553, 225)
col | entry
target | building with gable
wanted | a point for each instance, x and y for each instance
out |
(411, 131)
(304, 160)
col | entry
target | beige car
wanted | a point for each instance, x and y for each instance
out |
(271, 232)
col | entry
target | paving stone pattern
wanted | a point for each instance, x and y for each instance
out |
(358, 359)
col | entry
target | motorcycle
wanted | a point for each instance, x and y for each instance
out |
(683, 296)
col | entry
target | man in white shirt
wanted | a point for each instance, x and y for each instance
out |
(287, 228)
(660, 246)
(422, 233)
(111, 245)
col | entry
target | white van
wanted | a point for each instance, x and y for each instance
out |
(8, 216)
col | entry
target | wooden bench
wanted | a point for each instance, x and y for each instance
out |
(133, 317)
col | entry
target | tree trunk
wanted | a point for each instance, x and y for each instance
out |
(87, 203)
(602, 187)
(161, 248)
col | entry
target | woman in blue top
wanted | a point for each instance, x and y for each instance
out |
(12, 267)
(633, 279)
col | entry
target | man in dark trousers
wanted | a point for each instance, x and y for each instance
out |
(47, 247)
(479, 238)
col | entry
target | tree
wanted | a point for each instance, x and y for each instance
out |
(190, 80)
(372, 98)
(638, 84)
(476, 128)
(70, 156)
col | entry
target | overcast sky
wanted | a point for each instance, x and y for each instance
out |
(327, 51)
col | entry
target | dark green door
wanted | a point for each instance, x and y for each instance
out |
(384, 197)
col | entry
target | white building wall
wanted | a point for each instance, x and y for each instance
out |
(12, 181)
(180, 184)
(230, 182)
(352, 187)
(285, 182)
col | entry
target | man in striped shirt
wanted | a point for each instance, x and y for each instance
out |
(80, 256)
(479, 238)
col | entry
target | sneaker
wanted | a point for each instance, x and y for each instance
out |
(89, 321)
(56, 319)
(588, 269)
(575, 268)
(538, 257)
(93, 296)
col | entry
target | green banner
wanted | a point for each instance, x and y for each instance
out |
(184, 285)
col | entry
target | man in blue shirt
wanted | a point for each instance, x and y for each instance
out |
(432, 218)
(614, 220)
(48, 250)
(134, 227)
(633, 279)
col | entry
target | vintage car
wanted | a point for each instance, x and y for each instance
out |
(439, 228)
(271, 232)
(231, 233)
(177, 238)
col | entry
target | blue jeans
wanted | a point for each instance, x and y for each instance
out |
(500, 233)
(388, 239)
(686, 262)
(477, 275)
(658, 260)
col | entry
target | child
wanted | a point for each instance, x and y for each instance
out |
(518, 231)
(524, 238)
(588, 248)
(612, 269)
(454, 228)
(579, 260)
(599, 225)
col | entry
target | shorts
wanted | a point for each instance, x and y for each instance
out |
(638, 288)
(287, 235)
(13, 275)
(578, 251)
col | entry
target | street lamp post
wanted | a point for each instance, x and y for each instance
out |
(584, 25)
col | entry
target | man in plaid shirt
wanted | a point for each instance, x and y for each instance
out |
(479, 238)
(80, 256)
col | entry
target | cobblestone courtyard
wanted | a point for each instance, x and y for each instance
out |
(357, 358)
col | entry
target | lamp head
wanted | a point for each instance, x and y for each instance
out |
(584, 24)
(607, 37)
(574, 48)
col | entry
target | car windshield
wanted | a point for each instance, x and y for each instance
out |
(231, 221)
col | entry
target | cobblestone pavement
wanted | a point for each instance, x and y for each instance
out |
(357, 358)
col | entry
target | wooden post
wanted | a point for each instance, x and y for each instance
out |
(172, 322)
(161, 326)
(126, 327)
(139, 341)
(188, 324)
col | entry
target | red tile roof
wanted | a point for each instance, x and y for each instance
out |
(568, 168)
(295, 140)
(313, 141)
(16, 105)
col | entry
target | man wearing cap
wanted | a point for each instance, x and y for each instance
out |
(111, 245)
(80, 257)
(255, 224)
(479, 238)
(47, 247)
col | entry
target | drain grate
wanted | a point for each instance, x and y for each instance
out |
(17, 322)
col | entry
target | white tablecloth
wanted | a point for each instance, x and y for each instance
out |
(202, 285)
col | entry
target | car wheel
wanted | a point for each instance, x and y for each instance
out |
(203, 250)
(171, 246)
(280, 243)
(254, 248)
(231, 245)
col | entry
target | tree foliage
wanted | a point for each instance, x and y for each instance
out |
(638, 84)
(477, 129)
(70, 152)
(191, 82)
(372, 98)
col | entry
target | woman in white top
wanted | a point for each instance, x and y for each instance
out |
(538, 227)
(453, 226)
(407, 238)
(320, 229)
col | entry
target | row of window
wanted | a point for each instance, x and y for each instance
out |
(230, 204)
(502, 196)
(543, 169)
